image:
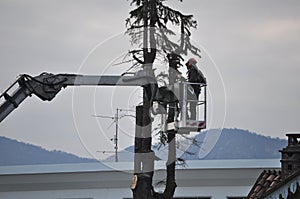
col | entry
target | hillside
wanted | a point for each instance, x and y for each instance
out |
(235, 144)
(13, 152)
(231, 144)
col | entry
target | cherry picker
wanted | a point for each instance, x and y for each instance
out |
(46, 86)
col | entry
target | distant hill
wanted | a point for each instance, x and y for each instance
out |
(231, 144)
(223, 144)
(13, 152)
(235, 144)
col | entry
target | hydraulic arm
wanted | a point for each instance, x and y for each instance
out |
(47, 85)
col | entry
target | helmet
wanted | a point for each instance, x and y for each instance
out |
(191, 62)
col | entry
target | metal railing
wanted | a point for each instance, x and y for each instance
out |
(188, 96)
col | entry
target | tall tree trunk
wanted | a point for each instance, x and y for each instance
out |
(171, 183)
(149, 15)
(144, 156)
(145, 31)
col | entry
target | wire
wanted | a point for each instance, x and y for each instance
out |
(111, 125)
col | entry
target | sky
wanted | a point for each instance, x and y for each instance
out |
(249, 57)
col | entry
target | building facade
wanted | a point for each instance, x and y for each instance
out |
(203, 179)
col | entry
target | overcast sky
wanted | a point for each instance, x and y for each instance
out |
(251, 49)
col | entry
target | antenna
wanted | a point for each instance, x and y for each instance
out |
(116, 119)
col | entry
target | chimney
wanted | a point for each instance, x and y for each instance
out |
(290, 156)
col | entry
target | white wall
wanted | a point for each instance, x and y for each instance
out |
(221, 192)
(215, 179)
(69, 194)
(213, 192)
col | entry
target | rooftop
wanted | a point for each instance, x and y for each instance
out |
(265, 182)
(128, 166)
(118, 175)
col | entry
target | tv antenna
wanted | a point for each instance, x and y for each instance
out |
(115, 119)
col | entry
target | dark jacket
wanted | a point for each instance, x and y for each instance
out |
(196, 76)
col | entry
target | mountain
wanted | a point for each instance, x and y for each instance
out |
(13, 152)
(234, 144)
(208, 145)
(219, 144)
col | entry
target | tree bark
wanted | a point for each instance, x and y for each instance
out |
(171, 162)
(143, 155)
(171, 183)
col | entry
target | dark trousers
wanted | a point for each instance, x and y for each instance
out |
(193, 105)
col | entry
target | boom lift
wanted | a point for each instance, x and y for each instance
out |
(184, 123)
(47, 85)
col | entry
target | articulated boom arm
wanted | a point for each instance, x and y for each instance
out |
(47, 85)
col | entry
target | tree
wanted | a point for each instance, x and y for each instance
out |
(148, 27)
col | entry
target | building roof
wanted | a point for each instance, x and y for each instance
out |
(285, 183)
(270, 185)
(200, 173)
(128, 166)
(265, 182)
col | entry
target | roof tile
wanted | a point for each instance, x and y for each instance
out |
(264, 183)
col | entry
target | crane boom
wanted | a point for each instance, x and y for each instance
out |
(12, 102)
(47, 85)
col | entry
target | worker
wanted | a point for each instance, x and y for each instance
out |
(194, 76)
